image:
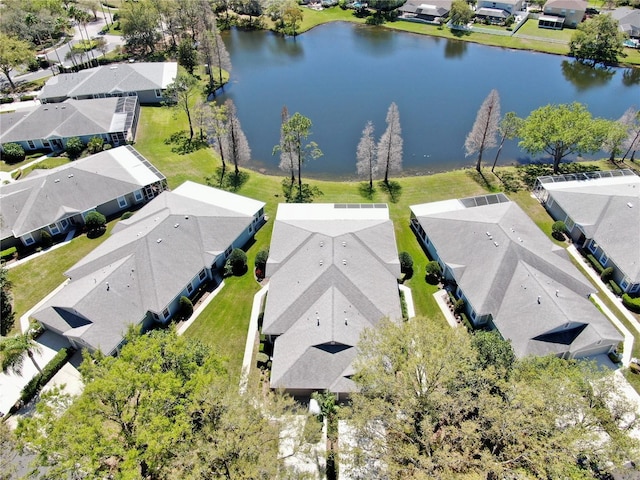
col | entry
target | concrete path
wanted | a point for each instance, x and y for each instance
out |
(628, 336)
(441, 297)
(408, 300)
(251, 336)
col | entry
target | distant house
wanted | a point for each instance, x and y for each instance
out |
(510, 7)
(49, 127)
(427, 10)
(512, 277)
(147, 81)
(493, 15)
(137, 276)
(333, 272)
(602, 213)
(562, 13)
(629, 21)
(58, 199)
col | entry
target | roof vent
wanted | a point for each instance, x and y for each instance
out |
(344, 244)
(186, 217)
(70, 175)
(57, 180)
(321, 262)
(159, 240)
(488, 234)
(630, 205)
(176, 225)
(321, 243)
(344, 261)
(496, 244)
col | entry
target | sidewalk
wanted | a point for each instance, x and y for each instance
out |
(252, 331)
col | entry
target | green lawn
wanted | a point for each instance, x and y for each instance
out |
(530, 27)
(6, 167)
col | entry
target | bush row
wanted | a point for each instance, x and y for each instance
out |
(615, 288)
(32, 388)
(8, 253)
(6, 100)
(632, 303)
(596, 264)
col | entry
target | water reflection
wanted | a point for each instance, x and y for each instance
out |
(374, 41)
(584, 77)
(455, 49)
(631, 76)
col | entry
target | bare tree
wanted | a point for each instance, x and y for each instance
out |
(218, 134)
(508, 129)
(287, 161)
(180, 94)
(215, 55)
(631, 118)
(390, 145)
(239, 151)
(367, 154)
(485, 128)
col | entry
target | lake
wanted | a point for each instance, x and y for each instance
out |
(340, 75)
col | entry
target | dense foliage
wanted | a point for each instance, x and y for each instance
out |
(597, 40)
(12, 153)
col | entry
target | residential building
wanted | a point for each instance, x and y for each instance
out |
(49, 127)
(428, 11)
(57, 200)
(562, 13)
(166, 250)
(146, 80)
(602, 213)
(510, 7)
(333, 272)
(512, 277)
(628, 20)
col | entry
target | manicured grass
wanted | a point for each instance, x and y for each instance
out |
(530, 27)
(6, 167)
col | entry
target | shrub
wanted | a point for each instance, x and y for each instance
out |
(236, 263)
(615, 287)
(25, 98)
(465, 321)
(126, 215)
(74, 147)
(186, 307)
(406, 262)
(261, 260)
(433, 271)
(107, 146)
(596, 264)
(4, 100)
(605, 275)
(95, 223)
(45, 239)
(635, 368)
(12, 153)
(632, 303)
(31, 389)
(558, 229)
(8, 253)
(458, 306)
(95, 145)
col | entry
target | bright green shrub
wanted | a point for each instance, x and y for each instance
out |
(95, 145)
(632, 303)
(615, 287)
(606, 274)
(12, 153)
(74, 147)
(8, 253)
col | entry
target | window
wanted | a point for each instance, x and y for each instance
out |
(189, 288)
(158, 93)
(122, 201)
(156, 316)
(550, 202)
(569, 223)
(228, 251)
(138, 195)
(166, 313)
(604, 259)
(624, 283)
(636, 288)
(53, 228)
(593, 246)
(250, 228)
(202, 275)
(31, 144)
(46, 144)
(64, 223)
(28, 239)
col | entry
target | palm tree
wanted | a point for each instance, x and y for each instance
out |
(13, 349)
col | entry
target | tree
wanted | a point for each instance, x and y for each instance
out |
(74, 147)
(485, 128)
(13, 53)
(291, 16)
(217, 133)
(96, 224)
(597, 40)
(294, 132)
(508, 129)
(390, 145)
(287, 160)
(385, 5)
(367, 154)
(261, 259)
(406, 262)
(139, 22)
(433, 271)
(435, 403)
(237, 262)
(631, 118)
(616, 133)
(187, 56)
(180, 94)
(239, 151)
(12, 153)
(558, 229)
(561, 130)
(6, 303)
(215, 55)
(14, 349)
(460, 13)
(95, 144)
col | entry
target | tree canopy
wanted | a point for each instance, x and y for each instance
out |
(597, 40)
(438, 403)
(13, 53)
(561, 130)
(460, 13)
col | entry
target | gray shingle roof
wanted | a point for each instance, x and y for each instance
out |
(123, 77)
(72, 118)
(566, 4)
(502, 262)
(601, 207)
(46, 196)
(148, 260)
(629, 20)
(333, 272)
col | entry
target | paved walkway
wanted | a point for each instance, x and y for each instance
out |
(628, 336)
(442, 297)
(251, 336)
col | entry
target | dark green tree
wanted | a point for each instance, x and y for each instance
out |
(597, 40)
(6, 303)
(12, 153)
(460, 13)
(187, 55)
(74, 147)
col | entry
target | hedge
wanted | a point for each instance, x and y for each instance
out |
(596, 264)
(25, 98)
(9, 252)
(32, 388)
(632, 303)
(466, 322)
(614, 286)
(6, 100)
